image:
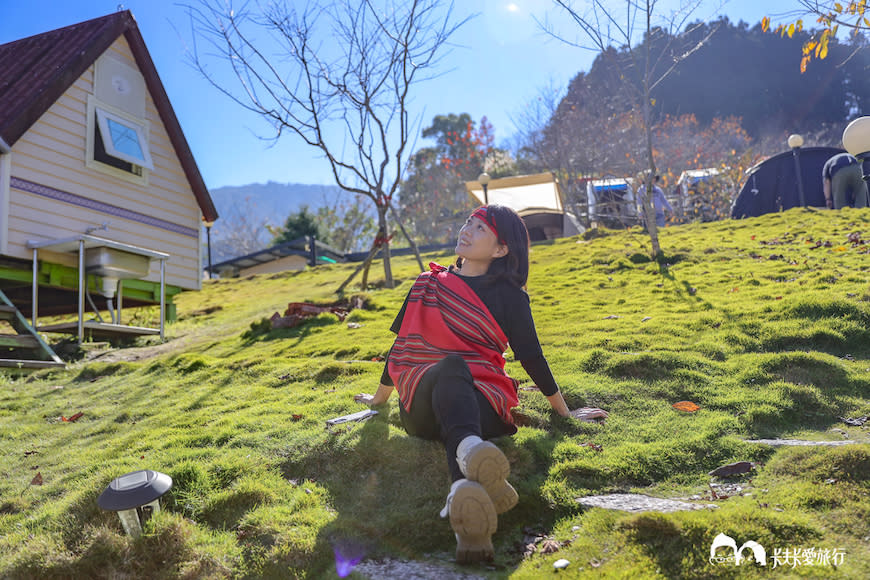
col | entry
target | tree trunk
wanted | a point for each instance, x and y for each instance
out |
(648, 202)
(407, 237)
(385, 239)
(365, 264)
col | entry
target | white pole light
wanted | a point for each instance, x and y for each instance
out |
(135, 496)
(856, 137)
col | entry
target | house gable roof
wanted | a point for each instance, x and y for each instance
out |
(36, 71)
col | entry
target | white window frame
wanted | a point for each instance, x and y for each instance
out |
(142, 128)
(103, 118)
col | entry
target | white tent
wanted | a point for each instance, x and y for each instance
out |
(537, 198)
(522, 192)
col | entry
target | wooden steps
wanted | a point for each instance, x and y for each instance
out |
(24, 350)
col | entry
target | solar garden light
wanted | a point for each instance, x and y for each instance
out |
(483, 179)
(796, 142)
(136, 497)
(856, 140)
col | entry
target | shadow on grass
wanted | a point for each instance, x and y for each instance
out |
(387, 489)
(262, 331)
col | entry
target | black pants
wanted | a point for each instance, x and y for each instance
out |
(449, 408)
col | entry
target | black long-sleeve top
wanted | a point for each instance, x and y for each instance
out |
(510, 307)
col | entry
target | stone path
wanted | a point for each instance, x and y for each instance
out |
(390, 569)
(634, 502)
(800, 442)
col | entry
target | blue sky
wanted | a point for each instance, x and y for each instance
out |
(500, 61)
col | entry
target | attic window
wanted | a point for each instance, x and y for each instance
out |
(122, 139)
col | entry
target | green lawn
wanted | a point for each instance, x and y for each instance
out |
(764, 323)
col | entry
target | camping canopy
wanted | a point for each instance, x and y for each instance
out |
(521, 192)
(772, 185)
(536, 198)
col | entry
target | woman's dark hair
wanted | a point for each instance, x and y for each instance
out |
(514, 266)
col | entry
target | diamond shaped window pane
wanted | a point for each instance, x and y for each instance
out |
(125, 139)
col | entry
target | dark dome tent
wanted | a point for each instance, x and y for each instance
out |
(771, 186)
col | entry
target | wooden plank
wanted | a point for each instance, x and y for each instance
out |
(18, 341)
(100, 329)
(30, 364)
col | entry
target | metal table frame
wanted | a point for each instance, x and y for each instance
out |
(79, 244)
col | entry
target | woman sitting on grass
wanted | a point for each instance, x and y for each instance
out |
(448, 366)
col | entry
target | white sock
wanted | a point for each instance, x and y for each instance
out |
(466, 444)
(446, 510)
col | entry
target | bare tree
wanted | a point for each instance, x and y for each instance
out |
(629, 26)
(240, 232)
(337, 75)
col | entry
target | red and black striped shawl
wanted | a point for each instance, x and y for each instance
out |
(444, 316)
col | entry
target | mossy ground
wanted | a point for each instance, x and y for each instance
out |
(762, 322)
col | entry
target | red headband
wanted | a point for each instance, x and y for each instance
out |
(482, 213)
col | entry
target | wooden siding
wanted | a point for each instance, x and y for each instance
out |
(161, 214)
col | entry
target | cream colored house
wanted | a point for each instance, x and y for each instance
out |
(92, 156)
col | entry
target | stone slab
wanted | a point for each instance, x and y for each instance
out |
(390, 569)
(633, 502)
(800, 442)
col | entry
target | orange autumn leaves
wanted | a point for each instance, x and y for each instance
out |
(686, 406)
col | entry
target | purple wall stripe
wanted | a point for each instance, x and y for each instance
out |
(78, 200)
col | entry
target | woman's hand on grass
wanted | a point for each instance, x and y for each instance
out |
(364, 398)
(589, 414)
(379, 398)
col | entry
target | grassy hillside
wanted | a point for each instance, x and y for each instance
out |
(764, 323)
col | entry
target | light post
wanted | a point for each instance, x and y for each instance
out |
(208, 226)
(795, 142)
(483, 179)
(856, 140)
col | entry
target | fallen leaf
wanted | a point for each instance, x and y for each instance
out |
(73, 418)
(37, 479)
(687, 406)
(296, 417)
(550, 546)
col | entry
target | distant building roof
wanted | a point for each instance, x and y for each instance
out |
(36, 71)
(297, 247)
